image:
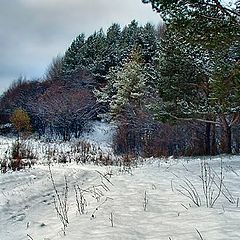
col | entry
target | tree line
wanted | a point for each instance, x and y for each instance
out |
(173, 89)
(63, 101)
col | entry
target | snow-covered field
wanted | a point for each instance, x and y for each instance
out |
(141, 202)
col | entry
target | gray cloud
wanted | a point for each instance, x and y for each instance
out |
(34, 31)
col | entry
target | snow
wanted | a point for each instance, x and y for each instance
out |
(143, 200)
(101, 134)
(99, 139)
(26, 203)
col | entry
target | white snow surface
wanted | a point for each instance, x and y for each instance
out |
(27, 201)
(101, 134)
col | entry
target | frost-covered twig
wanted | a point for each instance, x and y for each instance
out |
(145, 201)
(208, 177)
(80, 199)
(29, 236)
(200, 235)
(98, 207)
(190, 192)
(224, 190)
(104, 176)
(60, 203)
(212, 187)
(111, 218)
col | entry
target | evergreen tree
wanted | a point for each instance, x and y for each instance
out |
(183, 77)
(183, 86)
(129, 38)
(148, 42)
(214, 28)
(113, 52)
(149, 45)
(91, 55)
(126, 87)
(207, 22)
(70, 60)
(99, 52)
(225, 93)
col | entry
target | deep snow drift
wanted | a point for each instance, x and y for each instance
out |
(141, 202)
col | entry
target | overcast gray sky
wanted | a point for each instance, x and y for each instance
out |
(32, 32)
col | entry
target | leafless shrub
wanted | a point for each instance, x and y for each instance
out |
(63, 158)
(95, 191)
(199, 234)
(126, 163)
(188, 190)
(83, 149)
(29, 237)
(212, 185)
(5, 163)
(80, 199)
(208, 180)
(84, 152)
(111, 219)
(145, 201)
(105, 177)
(4, 166)
(19, 156)
(61, 202)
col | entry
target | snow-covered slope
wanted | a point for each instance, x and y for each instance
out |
(143, 202)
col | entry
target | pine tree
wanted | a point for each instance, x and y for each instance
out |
(129, 38)
(126, 86)
(149, 45)
(148, 42)
(183, 85)
(225, 93)
(212, 27)
(183, 77)
(91, 55)
(70, 60)
(210, 23)
(113, 51)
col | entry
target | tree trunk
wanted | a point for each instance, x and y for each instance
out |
(226, 140)
(229, 140)
(213, 142)
(208, 139)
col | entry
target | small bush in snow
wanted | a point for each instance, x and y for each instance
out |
(20, 157)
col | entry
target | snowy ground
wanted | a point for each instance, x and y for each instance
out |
(101, 134)
(144, 201)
